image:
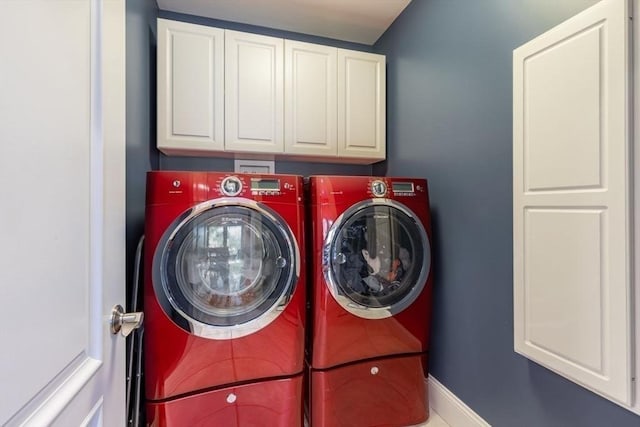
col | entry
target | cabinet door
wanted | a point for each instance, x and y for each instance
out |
(254, 92)
(310, 94)
(361, 105)
(190, 88)
(572, 206)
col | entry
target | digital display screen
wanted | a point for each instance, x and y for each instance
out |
(402, 187)
(265, 184)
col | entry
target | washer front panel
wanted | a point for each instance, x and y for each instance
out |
(226, 268)
(376, 258)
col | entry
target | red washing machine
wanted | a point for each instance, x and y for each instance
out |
(370, 301)
(224, 299)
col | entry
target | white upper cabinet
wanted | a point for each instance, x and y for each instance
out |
(190, 88)
(361, 105)
(254, 93)
(310, 93)
(572, 209)
(230, 93)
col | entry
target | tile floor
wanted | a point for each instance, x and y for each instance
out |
(434, 421)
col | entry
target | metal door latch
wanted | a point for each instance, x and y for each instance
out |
(125, 323)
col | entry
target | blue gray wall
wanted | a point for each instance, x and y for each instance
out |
(449, 92)
(141, 155)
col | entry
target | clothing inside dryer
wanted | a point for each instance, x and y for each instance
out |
(376, 256)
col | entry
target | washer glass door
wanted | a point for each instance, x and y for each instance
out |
(376, 258)
(225, 269)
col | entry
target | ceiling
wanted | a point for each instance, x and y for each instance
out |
(359, 21)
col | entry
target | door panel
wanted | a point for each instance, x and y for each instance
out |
(63, 152)
(310, 98)
(572, 274)
(190, 87)
(361, 104)
(572, 217)
(562, 86)
(254, 96)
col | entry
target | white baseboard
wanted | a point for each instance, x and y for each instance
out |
(451, 409)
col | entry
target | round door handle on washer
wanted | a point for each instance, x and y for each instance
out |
(125, 323)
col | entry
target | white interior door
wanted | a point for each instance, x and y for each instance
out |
(62, 114)
(572, 204)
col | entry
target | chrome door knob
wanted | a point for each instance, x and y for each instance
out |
(125, 323)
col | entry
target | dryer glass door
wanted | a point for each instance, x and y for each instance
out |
(377, 259)
(225, 270)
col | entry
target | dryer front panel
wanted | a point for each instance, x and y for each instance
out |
(376, 258)
(226, 268)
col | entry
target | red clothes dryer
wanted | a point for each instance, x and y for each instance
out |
(370, 300)
(224, 299)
